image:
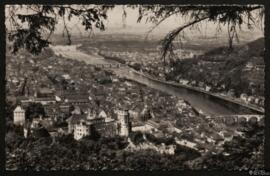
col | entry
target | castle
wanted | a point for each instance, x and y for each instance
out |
(86, 124)
(82, 125)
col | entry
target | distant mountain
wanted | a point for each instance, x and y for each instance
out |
(256, 47)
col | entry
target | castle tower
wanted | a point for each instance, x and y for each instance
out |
(19, 115)
(124, 123)
(91, 114)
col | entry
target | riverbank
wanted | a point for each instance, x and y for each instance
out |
(202, 101)
(236, 101)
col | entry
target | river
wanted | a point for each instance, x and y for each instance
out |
(208, 104)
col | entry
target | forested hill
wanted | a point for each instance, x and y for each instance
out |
(254, 48)
(237, 69)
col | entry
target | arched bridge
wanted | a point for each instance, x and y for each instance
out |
(230, 119)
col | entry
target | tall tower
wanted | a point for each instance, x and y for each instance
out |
(19, 115)
(91, 114)
(124, 122)
(35, 91)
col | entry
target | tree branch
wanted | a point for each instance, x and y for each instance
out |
(67, 31)
(159, 22)
(167, 42)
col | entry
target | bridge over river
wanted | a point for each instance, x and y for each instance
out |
(239, 118)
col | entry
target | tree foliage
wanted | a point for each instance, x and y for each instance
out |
(230, 16)
(43, 19)
(86, 154)
(34, 110)
(30, 26)
(136, 137)
(111, 154)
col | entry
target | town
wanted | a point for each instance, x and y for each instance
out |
(210, 66)
(134, 87)
(88, 100)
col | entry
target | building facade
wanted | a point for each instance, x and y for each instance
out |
(124, 124)
(81, 130)
(19, 115)
(85, 124)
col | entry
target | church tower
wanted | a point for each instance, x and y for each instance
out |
(123, 123)
(19, 115)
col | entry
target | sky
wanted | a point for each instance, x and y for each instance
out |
(115, 24)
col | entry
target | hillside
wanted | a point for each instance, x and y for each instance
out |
(241, 69)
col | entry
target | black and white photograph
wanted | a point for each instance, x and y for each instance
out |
(139, 87)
